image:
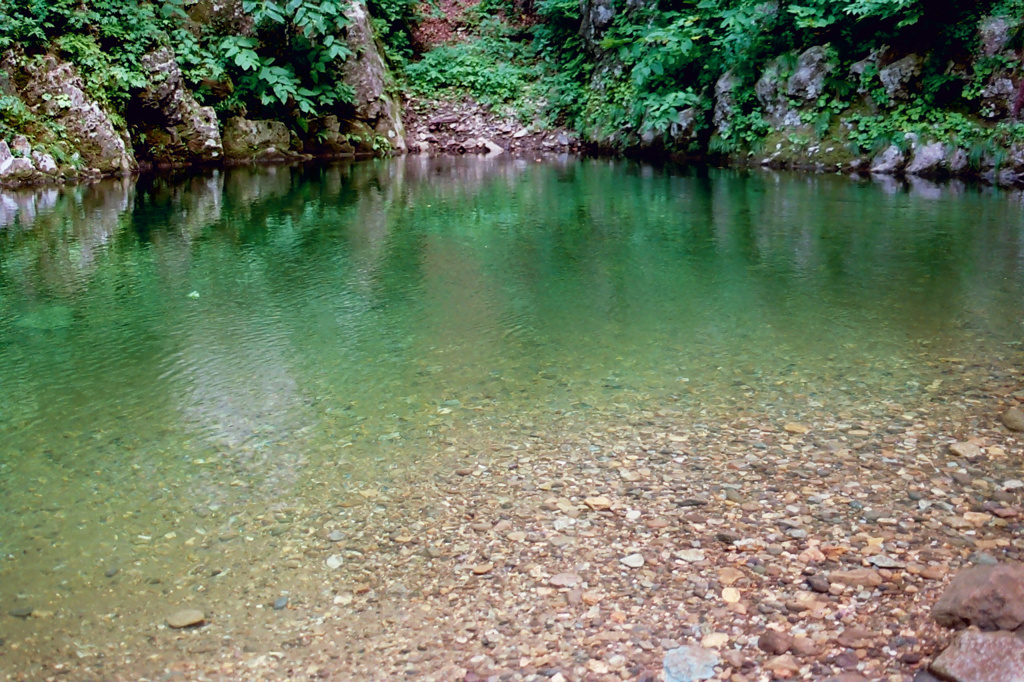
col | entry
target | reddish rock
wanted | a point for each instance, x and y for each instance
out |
(774, 642)
(856, 638)
(861, 577)
(982, 657)
(990, 597)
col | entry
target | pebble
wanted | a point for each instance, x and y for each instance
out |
(21, 612)
(774, 642)
(861, 577)
(819, 584)
(186, 618)
(334, 561)
(1013, 419)
(690, 555)
(633, 560)
(966, 450)
(280, 603)
(565, 580)
(689, 664)
(111, 572)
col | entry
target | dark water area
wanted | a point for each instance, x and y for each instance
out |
(173, 347)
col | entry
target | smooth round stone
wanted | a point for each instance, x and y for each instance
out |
(111, 572)
(186, 618)
(280, 603)
(21, 612)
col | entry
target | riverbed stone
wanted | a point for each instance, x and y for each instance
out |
(927, 159)
(860, 577)
(186, 618)
(774, 642)
(44, 163)
(989, 597)
(808, 79)
(1013, 419)
(690, 664)
(982, 657)
(16, 169)
(898, 76)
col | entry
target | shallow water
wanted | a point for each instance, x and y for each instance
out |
(174, 348)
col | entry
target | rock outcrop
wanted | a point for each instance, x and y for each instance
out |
(176, 129)
(782, 94)
(246, 140)
(376, 104)
(54, 87)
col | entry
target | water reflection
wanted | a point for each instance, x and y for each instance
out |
(268, 319)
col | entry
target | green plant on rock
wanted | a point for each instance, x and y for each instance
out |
(292, 64)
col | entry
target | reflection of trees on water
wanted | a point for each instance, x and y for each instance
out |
(320, 276)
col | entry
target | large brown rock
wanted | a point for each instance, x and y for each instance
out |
(982, 657)
(990, 597)
(1013, 419)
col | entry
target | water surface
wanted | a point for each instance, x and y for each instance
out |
(181, 347)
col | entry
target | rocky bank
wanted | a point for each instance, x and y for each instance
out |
(164, 126)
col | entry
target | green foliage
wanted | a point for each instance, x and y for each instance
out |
(393, 21)
(289, 65)
(674, 51)
(107, 38)
(493, 68)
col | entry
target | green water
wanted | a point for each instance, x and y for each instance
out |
(175, 347)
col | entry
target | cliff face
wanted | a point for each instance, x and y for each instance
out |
(55, 130)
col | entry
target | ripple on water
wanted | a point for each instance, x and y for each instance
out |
(354, 328)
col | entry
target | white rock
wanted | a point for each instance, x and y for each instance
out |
(633, 560)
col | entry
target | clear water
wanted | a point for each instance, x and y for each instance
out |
(175, 347)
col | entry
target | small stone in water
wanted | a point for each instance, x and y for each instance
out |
(633, 560)
(21, 612)
(186, 618)
(334, 561)
(1013, 419)
(111, 572)
(281, 603)
(565, 580)
(336, 536)
(690, 555)
(689, 664)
